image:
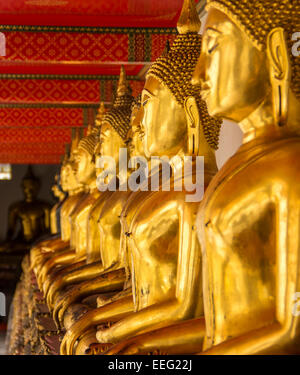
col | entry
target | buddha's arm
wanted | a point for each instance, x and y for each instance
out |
(47, 218)
(38, 256)
(140, 322)
(78, 275)
(180, 338)
(109, 313)
(282, 336)
(12, 221)
(93, 237)
(107, 282)
(186, 304)
(55, 274)
(63, 258)
(269, 340)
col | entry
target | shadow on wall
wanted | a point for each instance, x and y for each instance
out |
(11, 191)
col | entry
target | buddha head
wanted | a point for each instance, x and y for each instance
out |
(115, 124)
(68, 177)
(57, 188)
(30, 185)
(172, 106)
(86, 172)
(135, 134)
(68, 169)
(247, 58)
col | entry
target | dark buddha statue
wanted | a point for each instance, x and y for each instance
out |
(27, 219)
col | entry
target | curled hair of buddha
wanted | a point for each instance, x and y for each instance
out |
(119, 115)
(175, 68)
(257, 18)
(89, 142)
(135, 106)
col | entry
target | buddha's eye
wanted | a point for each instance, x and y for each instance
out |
(213, 48)
(145, 102)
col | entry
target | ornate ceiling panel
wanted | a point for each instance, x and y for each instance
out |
(120, 13)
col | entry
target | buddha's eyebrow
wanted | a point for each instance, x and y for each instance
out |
(146, 93)
(103, 134)
(211, 31)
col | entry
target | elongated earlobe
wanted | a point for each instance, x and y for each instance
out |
(280, 73)
(193, 124)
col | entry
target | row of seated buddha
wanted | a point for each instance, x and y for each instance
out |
(148, 272)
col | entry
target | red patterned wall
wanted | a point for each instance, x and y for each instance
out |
(42, 117)
(36, 134)
(60, 91)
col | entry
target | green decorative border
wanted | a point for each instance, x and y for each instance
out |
(87, 29)
(147, 47)
(67, 76)
(85, 117)
(131, 47)
(102, 89)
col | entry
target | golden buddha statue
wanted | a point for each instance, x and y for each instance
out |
(248, 221)
(79, 270)
(55, 210)
(105, 216)
(74, 256)
(115, 279)
(42, 251)
(28, 306)
(165, 256)
(251, 237)
(32, 214)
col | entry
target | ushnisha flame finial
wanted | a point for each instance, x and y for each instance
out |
(77, 134)
(100, 114)
(89, 129)
(123, 87)
(66, 156)
(29, 175)
(119, 115)
(188, 21)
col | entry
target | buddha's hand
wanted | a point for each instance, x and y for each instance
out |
(98, 349)
(62, 305)
(127, 347)
(51, 289)
(78, 329)
(69, 340)
(106, 336)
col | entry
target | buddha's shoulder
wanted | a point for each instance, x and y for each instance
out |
(280, 164)
(16, 205)
(286, 147)
(282, 157)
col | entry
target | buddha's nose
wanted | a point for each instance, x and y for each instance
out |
(199, 73)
